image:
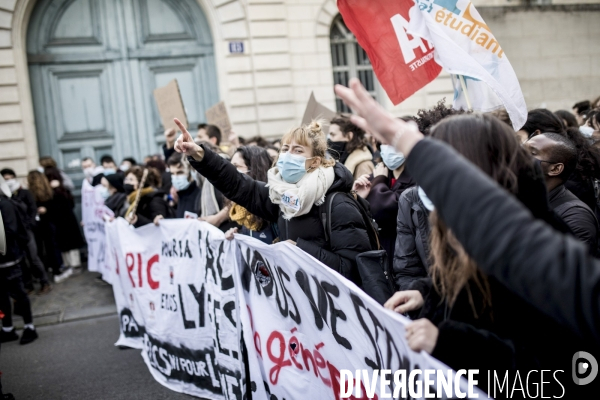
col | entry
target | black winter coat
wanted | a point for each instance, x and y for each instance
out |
(383, 199)
(27, 198)
(117, 203)
(68, 230)
(150, 206)
(549, 278)
(411, 251)
(576, 214)
(11, 227)
(189, 200)
(349, 235)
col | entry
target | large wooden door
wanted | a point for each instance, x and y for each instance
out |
(93, 65)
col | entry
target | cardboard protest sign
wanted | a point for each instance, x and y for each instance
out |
(170, 105)
(316, 110)
(217, 115)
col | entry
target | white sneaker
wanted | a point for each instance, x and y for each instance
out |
(66, 273)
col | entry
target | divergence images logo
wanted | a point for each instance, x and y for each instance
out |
(585, 368)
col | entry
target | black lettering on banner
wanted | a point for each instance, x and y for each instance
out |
(129, 326)
(199, 296)
(293, 315)
(326, 293)
(210, 262)
(226, 282)
(196, 367)
(176, 249)
(168, 302)
(186, 323)
(303, 282)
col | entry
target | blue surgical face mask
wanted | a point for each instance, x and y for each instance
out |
(390, 157)
(180, 182)
(291, 166)
(109, 171)
(425, 200)
(586, 131)
(104, 192)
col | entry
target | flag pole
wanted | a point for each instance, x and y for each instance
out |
(464, 88)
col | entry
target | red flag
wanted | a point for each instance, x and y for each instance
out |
(403, 63)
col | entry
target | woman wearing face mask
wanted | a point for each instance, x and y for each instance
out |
(254, 162)
(382, 191)
(114, 193)
(303, 176)
(152, 206)
(347, 145)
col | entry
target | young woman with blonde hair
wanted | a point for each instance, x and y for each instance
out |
(297, 185)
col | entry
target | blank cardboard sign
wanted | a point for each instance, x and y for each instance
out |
(316, 110)
(217, 115)
(170, 105)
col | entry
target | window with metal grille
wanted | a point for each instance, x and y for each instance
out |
(349, 60)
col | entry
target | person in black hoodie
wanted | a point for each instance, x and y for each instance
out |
(299, 183)
(551, 276)
(188, 192)
(152, 206)
(114, 193)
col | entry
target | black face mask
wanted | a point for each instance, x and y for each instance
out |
(338, 149)
(128, 188)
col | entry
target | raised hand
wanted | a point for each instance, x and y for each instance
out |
(185, 143)
(372, 117)
(362, 186)
(170, 137)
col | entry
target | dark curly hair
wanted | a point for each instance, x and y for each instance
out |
(426, 119)
(588, 156)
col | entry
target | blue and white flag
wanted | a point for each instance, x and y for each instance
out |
(464, 45)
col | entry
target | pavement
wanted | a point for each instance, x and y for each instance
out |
(78, 360)
(81, 296)
(75, 356)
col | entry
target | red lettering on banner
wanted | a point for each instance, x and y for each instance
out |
(322, 368)
(130, 263)
(130, 266)
(153, 284)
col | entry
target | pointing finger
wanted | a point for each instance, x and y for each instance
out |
(186, 135)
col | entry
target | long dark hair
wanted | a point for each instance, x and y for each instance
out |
(542, 120)
(257, 160)
(489, 144)
(588, 156)
(53, 174)
(568, 117)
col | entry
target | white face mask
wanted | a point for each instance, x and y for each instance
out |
(586, 131)
(13, 185)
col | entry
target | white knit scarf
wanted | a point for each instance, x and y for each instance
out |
(296, 199)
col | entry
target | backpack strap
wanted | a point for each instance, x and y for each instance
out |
(325, 215)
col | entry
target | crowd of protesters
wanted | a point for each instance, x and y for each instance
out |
(465, 237)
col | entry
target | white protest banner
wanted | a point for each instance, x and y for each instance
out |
(175, 295)
(464, 45)
(93, 211)
(304, 324)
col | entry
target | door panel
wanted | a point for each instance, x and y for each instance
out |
(94, 65)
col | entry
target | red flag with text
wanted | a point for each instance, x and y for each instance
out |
(403, 63)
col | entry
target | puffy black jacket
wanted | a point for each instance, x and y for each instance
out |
(11, 227)
(411, 251)
(349, 235)
(383, 198)
(576, 214)
(27, 198)
(551, 271)
(150, 206)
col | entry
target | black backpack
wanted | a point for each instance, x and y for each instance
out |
(373, 266)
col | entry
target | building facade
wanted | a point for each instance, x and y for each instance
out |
(76, 76)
